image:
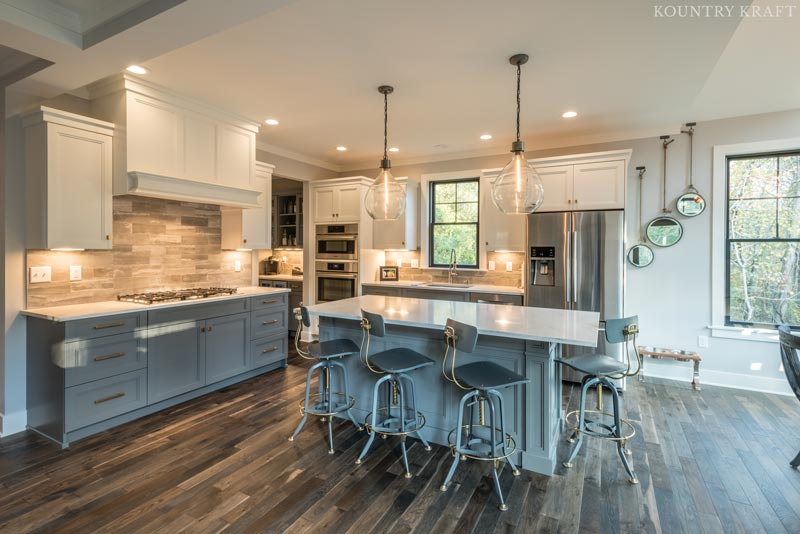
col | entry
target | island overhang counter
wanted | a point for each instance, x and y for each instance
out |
(526, 340)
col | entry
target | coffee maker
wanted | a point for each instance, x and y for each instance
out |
(271, 265)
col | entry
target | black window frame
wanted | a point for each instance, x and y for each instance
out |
(728, 240)
(432, 222)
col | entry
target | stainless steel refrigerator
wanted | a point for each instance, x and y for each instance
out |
(577, 263)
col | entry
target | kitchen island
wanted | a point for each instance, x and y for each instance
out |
(525, 340)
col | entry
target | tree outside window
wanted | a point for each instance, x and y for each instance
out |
(454, 222)
(763, 240)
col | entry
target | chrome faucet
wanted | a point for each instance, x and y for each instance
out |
(452, 271)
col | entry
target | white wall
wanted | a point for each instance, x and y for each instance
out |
(673, 296)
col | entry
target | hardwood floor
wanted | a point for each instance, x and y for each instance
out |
(710, 461)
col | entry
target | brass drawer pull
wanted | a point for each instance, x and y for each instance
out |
(273, 349)
(109, 325)
(270, 322)
(273, 301)
(112, 397)
(109, 356)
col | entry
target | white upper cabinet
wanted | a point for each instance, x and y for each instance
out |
(251, 228)
(583, 182)
(401, 233)
(171, 147)
(499, 230)
(340, 203)
(69, 167)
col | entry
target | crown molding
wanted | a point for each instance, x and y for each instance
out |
(297, 156)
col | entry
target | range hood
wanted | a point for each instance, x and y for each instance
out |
(173, 188)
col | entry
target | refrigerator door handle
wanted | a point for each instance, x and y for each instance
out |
(574, 241)
(568, 269)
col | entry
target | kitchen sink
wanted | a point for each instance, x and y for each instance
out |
(447, 284)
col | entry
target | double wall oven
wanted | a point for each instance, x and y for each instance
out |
(336, 263)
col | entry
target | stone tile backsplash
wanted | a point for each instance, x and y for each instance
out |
(498, 277)
(158, 244)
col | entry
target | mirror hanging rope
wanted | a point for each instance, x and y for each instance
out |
(691, 203)
(664, 231)
(640, 255)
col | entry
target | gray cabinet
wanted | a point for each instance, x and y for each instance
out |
(227, 346)
(439, 294)
(381, 290)
(436, 294)
(494, 298)
(176, 360)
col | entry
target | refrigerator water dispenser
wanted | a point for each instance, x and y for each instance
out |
(542, 267)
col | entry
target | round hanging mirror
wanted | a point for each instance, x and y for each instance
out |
(640, 255)
(691, 203)
(664, 231)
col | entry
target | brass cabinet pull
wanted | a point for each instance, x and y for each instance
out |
(109, 325)
(109, 398)
(273, 349)
(269, 301)
(109, 356)
(270, 322)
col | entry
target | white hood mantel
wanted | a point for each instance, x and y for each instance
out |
(173, 188)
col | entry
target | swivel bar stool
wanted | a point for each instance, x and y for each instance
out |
(601, 371)
(790, 355)
(325, 403)
(397, 417)
(481, 380)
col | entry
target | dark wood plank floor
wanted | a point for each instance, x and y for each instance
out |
(714, 461)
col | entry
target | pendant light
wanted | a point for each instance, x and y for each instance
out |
(385, 199)
(518, 189)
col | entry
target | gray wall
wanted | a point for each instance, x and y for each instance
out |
(673, 296)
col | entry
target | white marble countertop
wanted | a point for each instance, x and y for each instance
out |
(475, 288)
(90, 310)
(539, 324)
(287, 277)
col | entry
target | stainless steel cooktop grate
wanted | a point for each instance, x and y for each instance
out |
(177, 295)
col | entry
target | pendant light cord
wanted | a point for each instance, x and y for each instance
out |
(666, 143)
(641, 183)
(519, 75)
(385, 125)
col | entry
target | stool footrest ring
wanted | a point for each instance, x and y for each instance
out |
(607, 432)
(511, 444)
(338, 399)
(418, 421)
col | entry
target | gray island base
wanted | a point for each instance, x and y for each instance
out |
(525, 340)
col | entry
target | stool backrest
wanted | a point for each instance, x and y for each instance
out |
(371, 324)
(457, 336)
(790, 354)
(625, 330)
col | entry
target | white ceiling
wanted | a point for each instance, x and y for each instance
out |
(315, 65)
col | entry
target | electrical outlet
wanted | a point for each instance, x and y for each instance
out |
(415, 264)
(491, 265)
(284, 259)
(75, 273)
(237, 266)
(702, 342)
(41, 274)
(509, 266)
(399, 262)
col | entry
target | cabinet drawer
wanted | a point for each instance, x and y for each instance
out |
(194, 312)
(93, 359)
(268, 350)
(103, 399)
(382, 291)
(490, 298)
(268, 322)
(104, 326)
(264, 302)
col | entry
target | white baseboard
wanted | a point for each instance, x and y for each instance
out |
(12, 423)
(726, 379)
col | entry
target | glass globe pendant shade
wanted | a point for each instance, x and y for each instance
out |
(518, 189)
(385, 199)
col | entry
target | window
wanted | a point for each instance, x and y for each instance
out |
(454, 222)
(763, 240)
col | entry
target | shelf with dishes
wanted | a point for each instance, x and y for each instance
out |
(288, 221)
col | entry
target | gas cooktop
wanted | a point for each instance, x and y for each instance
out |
(153, 297)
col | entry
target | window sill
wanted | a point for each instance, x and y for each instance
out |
(459, 269)
(765, 335)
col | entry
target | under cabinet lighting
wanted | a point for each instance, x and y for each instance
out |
(569, 114)
(67, 249)
(272, 122)
(244, 250)
(136, 69)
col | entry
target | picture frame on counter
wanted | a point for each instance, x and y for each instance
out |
(389, 273)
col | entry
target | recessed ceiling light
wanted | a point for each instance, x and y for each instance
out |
(569, 114)
(272, 122)
(394, 149)
(486, 137)
(136, 69)
(341, 148)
